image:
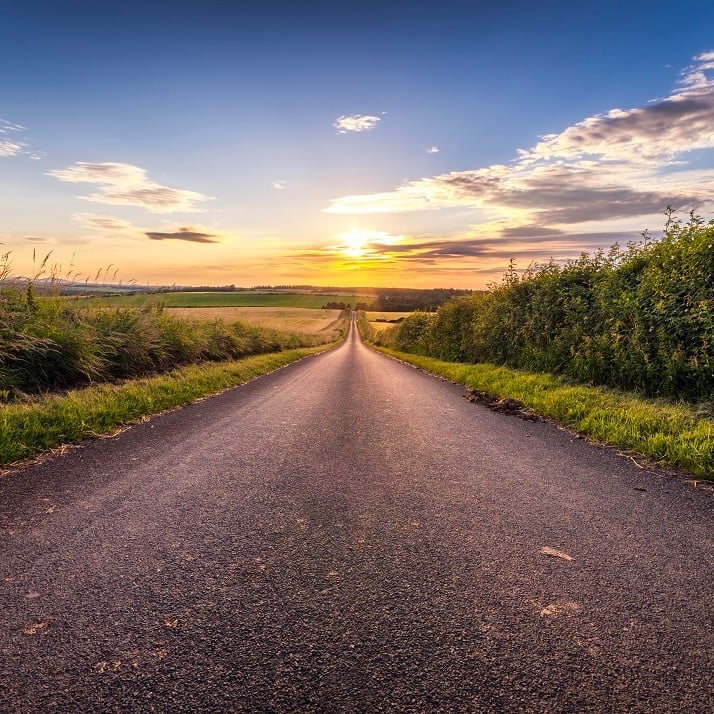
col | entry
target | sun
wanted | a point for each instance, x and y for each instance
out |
(355, 243)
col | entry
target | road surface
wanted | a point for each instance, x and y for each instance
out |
(349, 534)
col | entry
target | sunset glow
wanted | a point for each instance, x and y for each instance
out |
(354, 244)
(228, 144)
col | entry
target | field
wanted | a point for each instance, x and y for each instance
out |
(381, 321)
(284, 319)
(245, 298)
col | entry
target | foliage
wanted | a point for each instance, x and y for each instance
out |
(365, 329)
(49, 343)
(411, 335)
(640, 318)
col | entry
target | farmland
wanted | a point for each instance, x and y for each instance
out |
(380, 321)
(244, 298)
(304, 320)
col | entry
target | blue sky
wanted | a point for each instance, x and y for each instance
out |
(382, 143)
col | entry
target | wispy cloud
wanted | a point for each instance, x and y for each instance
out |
(187, 233)
(14, 146)
(477, 257)
(356, 123)
(279, 185)
(11, 148)
(623, 163)
(114, 226)
(127, 185)
(104, 223)
(7, 126)
(433, 150)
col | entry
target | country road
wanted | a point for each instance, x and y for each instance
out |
(349, 534)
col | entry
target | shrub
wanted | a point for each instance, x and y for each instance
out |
(640, 318)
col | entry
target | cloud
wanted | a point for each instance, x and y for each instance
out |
(110, 224)
(443, 191)
(433, 150)
(128, 185)
(279, 185)
(619, 164)
(6, 127)
(11, 148)
(104, 223)
(696, 74)
(356, 123)
(186, 233)
(457, 251)
(528, 231)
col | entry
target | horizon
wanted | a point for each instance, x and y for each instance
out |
(412, 145)
(286, 288)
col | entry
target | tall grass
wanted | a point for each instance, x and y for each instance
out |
(49, 343)
(639, 318)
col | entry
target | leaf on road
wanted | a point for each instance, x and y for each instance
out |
(558, 609)
(104, 666)
(546, 550)
(35, 628)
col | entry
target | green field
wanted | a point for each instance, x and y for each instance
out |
(246, 298)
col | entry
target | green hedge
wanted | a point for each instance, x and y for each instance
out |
(640, 318)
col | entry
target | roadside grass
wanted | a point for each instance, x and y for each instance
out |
(667, 433)
(49, 342)
(29, 429)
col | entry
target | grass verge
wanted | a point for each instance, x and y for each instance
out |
(667, 433)
(29, 429)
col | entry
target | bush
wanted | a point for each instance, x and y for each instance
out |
(640, 319)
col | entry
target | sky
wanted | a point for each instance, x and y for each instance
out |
(400, 144)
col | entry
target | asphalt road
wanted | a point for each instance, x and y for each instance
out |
(349, 534)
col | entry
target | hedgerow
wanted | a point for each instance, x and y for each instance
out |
(637, 318)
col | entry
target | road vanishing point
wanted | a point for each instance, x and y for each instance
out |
(349, 534)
